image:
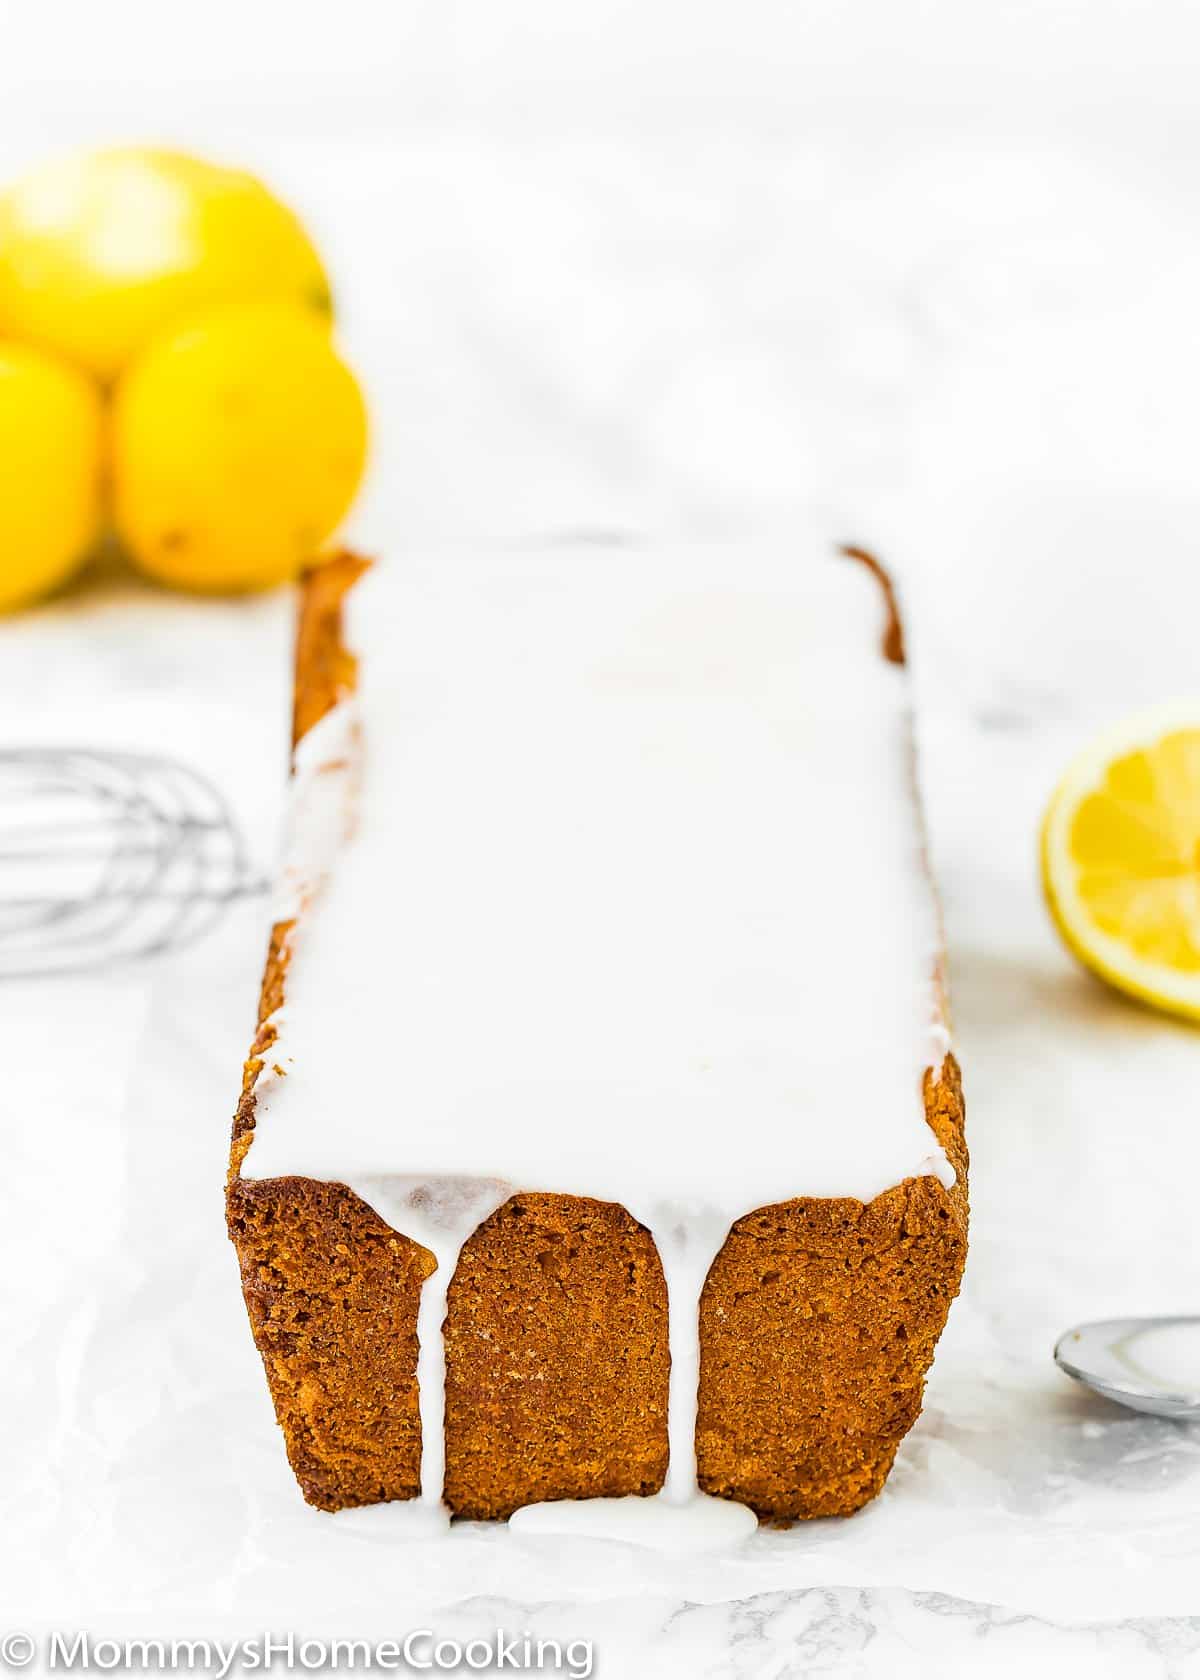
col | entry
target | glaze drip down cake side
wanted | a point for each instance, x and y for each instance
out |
(601, 1135)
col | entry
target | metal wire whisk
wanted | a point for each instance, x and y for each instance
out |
(106, 856)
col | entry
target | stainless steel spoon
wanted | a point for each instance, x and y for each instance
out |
(1149, 1364)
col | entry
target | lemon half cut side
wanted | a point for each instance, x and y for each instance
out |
(1121, 857)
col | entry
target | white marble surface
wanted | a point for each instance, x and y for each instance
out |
(967, 330)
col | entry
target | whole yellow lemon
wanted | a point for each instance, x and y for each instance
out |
(50, 472)
(237, 446)
(101, 251)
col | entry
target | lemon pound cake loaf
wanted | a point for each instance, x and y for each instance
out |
(601, 1136)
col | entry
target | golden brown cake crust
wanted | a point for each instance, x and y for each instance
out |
(818, 1321)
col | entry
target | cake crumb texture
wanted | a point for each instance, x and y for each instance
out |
(557, 1368)
(332, 1294)
(818, 1324)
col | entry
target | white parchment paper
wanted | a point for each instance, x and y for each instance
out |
(982, 356)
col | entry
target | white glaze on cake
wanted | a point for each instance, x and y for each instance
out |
(634, 908)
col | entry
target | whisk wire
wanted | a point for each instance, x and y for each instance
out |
(107, 856)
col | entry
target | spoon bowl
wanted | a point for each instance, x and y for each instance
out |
(1149, 1364)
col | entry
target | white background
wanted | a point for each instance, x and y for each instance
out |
(927, 272)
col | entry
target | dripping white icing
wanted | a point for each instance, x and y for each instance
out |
(698, 1524)
(681, 1519)
(633, 909)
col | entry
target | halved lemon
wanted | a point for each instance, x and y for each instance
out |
(1121, 858)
